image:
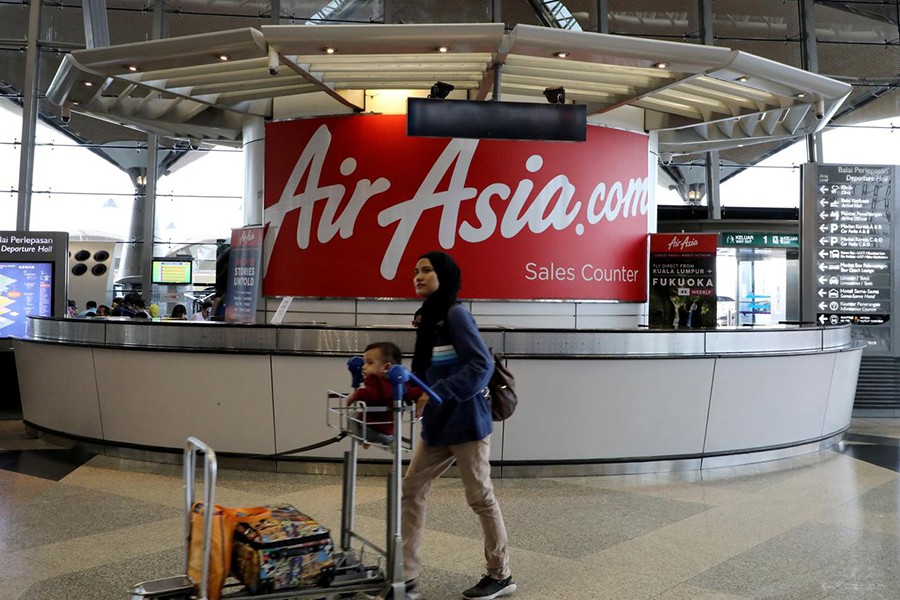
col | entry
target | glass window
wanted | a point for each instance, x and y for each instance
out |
(10, 150)
(77, 191)
(201, 201)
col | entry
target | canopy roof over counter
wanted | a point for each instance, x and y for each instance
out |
(202, 87)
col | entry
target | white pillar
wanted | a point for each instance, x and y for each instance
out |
(254, 135)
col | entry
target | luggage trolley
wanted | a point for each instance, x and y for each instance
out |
(352, 578)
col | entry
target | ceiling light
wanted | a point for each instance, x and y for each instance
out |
(743, 78)
(88, 84)
(443, 48)
(224, 57)
(561, 54)
(801, 95)
(132, 68)
(441, 90)
(555, 95)
(329, 50)
(661, 65)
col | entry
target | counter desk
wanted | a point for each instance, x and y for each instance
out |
(591, 401)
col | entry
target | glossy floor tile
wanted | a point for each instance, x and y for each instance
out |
(74, 526)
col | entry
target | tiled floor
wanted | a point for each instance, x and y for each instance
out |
(80, 527)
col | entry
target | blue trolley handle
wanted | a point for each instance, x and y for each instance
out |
(399, 375)
(355, 365)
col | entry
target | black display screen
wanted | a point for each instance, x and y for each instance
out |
(496, 120)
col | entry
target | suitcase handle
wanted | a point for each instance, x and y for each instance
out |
(193, 447)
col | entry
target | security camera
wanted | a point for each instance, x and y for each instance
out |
(665, 159)
(65, 114)
(819, 107)
(194, 144)
(273, 61)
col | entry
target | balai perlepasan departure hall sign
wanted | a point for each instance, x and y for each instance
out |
(847, 218)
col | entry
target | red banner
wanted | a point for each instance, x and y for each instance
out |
(351, 202)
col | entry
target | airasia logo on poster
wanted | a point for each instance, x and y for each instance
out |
(351, 202)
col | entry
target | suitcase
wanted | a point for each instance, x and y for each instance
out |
(286, 550)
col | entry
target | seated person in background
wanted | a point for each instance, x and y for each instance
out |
(90, 309)
(179, 312)
(153, 310)
(102, 311)
(132, 305)
(376, 390)
(203, 313)
(71, 308)
(217, 312)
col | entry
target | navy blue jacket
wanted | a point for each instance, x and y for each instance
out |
(461, 366)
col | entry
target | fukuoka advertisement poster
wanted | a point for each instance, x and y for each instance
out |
(351, 202)
(683, 280)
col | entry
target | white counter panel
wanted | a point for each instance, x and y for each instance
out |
(161, 398)
(299, 388)
(59, 382)
(583, 409)
(767, 401)
(843, 390)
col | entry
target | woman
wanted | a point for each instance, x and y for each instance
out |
(179, 312)
(455, 362)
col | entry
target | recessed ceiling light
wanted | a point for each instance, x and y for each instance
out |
(801, 95)
(443, 48)
(661, 65)
(743, 78)
(561, 54)
(329, 50)
(224, 57)
(132, 68)
(88, 84)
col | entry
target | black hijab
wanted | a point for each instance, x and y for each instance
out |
(434, 309)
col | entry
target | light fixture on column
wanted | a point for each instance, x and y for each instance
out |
(555, 95)
(441, 90)
(695, 193)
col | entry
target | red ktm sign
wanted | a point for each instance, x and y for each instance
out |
(351, 202)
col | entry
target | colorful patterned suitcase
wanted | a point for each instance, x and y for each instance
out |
(287, 550)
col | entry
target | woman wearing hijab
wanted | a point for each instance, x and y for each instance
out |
(455, 362)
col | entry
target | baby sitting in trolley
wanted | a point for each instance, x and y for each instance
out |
(378, 392)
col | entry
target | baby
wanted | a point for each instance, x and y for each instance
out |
(377, 391)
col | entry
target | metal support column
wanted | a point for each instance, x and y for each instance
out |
(275, 8)
(809, 60)
(713, 171)
(96, 24)
(29, 117)
(149, 210)
(602, 16)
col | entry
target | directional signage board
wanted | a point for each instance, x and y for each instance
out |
(743, 239)
(848, 236)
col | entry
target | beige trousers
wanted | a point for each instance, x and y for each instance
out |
(429, 463)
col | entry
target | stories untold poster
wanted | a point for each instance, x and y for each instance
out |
(683, 281)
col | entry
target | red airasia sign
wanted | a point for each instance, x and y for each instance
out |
(351, 202)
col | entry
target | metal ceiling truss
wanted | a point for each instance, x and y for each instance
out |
(698, 98)
(554, 13)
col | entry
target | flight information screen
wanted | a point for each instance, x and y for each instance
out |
(26, 289)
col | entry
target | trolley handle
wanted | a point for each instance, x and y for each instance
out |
(192, 448)
(355, 365)
(400, 375)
